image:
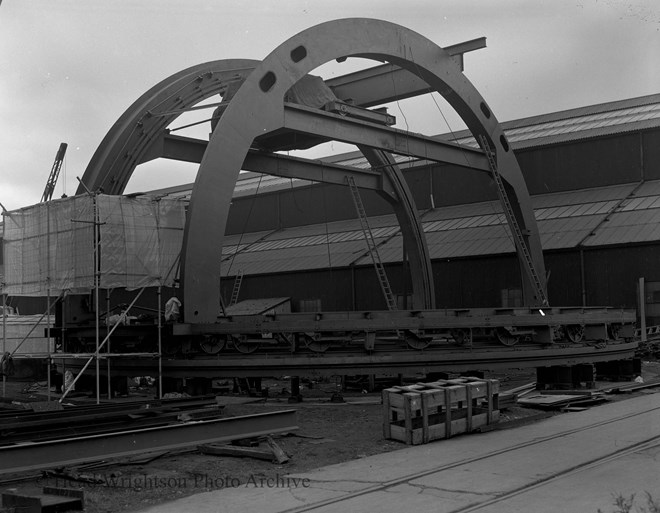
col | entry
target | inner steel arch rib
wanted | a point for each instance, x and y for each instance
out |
(131, 137)
(257, 109)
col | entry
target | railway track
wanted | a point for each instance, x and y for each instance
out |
(651, 441)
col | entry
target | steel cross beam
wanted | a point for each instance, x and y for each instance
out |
(188, 149)
(73, 451)
(388, 83)
(299, 118)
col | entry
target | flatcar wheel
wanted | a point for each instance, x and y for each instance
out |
(505, 337)
(211, 344)
(243, 346)
(613, 331)
(315, 344)
(417, 343)
(461, 336)
(575, 333)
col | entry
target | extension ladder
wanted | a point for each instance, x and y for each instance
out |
(371, 245)
(513, 223)
(237, 288)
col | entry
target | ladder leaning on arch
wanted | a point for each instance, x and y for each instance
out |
(371, 245)
(237, 288)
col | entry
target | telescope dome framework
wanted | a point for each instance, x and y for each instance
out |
(257, 114)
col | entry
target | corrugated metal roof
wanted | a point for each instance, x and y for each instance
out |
(575, 124)
(625, 227)
(566, 233)
(601, 216)
(583, 196)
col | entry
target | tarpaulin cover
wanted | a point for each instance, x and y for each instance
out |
(51, 245)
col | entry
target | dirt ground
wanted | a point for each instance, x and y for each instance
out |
(328, 433)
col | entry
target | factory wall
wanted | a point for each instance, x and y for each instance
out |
(591, 163)
(611, 278)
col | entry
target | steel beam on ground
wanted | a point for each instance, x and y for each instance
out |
(74, 451)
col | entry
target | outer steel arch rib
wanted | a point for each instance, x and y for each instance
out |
(257, 109)
(141, 125)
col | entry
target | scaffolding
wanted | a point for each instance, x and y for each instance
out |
(85, 244)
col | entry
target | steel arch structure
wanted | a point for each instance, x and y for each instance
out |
(258, 114)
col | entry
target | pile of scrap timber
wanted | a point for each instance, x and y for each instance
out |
(562, 399)
(573, 399)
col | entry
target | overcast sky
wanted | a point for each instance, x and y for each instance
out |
(69, 68)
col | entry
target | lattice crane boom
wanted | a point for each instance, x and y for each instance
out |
(54, 173)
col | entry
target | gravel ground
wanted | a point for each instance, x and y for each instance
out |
(329, 433)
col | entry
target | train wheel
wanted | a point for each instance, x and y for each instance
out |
(242, 345)
(505, 337)
(613, 331)
(211, 344)
(462, 336)
(315, 344)
(416, 342)
(575, 333)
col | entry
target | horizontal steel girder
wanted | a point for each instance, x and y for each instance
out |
(381, 363)
(192, 150)
(306, 120)
(73, 451)
(388, 83)
(406, 319)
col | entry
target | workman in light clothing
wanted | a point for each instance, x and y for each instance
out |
(172, 309)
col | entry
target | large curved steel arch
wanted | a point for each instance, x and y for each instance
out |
(135, 138)
(132, 137)
(258, 109)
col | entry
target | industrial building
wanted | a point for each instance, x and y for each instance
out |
(594, 176)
